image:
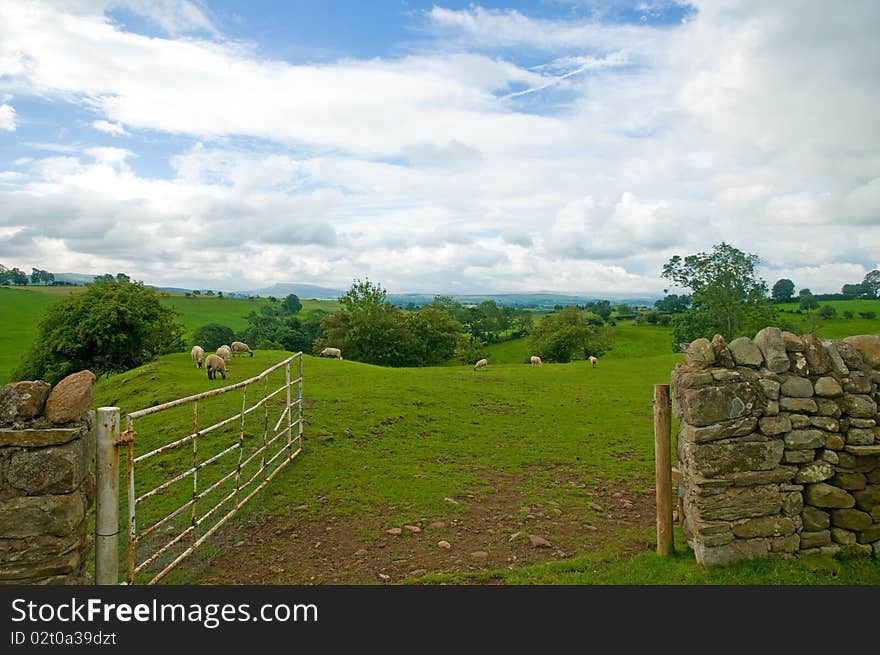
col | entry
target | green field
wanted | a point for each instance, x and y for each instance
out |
(393, 446)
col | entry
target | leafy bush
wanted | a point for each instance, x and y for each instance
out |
(213, 335)
(566, 335)
(113, 326)
(869, 314)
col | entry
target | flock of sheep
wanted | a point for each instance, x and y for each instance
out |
(216, 362)
(534, 360)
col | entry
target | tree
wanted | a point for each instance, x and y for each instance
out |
(365, 326)
(871, 284)
(806, 300)
(213, 335)
(566, 335)
(39, 276)
(435, 334)
(18, 277)
(782, 291)
(728, 298)
(673, 304)
(291, 304)
(110, 328)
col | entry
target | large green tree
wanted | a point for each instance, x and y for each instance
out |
(728, 296)
(783, 290)
(567, 335)
(370, 329)
(366, 328)
(109, 328)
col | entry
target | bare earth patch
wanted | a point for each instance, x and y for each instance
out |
(499, 530)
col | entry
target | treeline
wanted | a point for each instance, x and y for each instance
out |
(17, 277)
(368, 328)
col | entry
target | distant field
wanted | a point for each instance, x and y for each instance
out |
(837, 327)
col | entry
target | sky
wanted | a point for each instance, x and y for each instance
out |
(571, 146)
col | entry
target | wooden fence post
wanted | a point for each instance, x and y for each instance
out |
(663, 468)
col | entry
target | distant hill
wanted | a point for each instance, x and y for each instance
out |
(530, 300)
(303, 291)
(74, 278)
(544, 300)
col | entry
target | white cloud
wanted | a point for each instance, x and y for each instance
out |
(173, 16)
(7, 118)
(110, 128)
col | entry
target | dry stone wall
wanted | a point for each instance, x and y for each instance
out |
(779, 446)
(47, 483)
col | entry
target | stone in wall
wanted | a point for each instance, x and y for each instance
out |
(71, 398)
(779, 445)
(47, 482)
(22, 400)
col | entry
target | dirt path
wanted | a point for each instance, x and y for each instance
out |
(497, 531)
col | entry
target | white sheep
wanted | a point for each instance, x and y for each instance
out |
(481, 363)
(198, 355)
(241, 347)
(536, 361)
(225, 352)
(215, 364)
(593, 361)
(331, 352)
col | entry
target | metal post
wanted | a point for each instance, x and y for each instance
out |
(107, 501)
(663, 468)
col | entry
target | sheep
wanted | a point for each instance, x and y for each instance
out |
(331, 352)
(198, 355)
(593, 361)
(225, 352)
(241, 347)
(536, 361)
(481, 363)
(215, 364)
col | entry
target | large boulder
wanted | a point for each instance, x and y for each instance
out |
(71, 399)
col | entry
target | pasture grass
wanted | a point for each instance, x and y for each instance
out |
(20, 313)
(837, 327)
(408, 439)
(614, 566)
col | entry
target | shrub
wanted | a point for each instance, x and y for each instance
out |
(213, 335)
(113, 326)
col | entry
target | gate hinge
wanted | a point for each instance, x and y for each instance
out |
(125, 437)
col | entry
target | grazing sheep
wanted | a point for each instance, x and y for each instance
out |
(593, 361)
(198, 355)
(241, 347)
(225, 352)
(536, 361)
(331, 352)
(481, 363)
(215, 364)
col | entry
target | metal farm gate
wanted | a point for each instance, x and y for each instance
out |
(195, 482)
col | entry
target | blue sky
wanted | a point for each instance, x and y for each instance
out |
(557, 145)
